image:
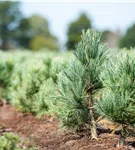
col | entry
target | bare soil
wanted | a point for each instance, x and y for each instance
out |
(47, 134)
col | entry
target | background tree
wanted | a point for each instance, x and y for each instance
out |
(34, 33)
(128, 39)
(9, 18)
(105, 35)
(40, 42)
(111, 38)
(39, 25)
(75, 29)
(23, 33)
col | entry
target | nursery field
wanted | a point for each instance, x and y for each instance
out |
(82, 100)
(45, 133)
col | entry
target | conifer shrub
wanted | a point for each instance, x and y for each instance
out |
(6, 70)
(10, 141)
(44, 100)
(80, 81)
(28, 80)
(118, 100)
(33, 84)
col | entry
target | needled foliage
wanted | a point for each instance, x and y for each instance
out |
(10, 141)
(117, 102)
(73, 104)
(34, 84)
(6, 70)
(80, 81)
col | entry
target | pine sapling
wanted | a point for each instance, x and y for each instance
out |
(118, 101)
(79, 82)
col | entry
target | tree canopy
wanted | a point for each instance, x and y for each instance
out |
(128, 39)
(18, 31)
(9, 18)
(75, 30)
(112, 38)
(34, 33)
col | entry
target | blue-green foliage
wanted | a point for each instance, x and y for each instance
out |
(118, 101)
(73, 109)
(80, 80)
(33, 83)
(6, 70)
(9, 142)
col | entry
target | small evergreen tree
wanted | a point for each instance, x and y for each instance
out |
(33, 84)
(6, 71)
(9, 142)
(80, 81)
(117, 103)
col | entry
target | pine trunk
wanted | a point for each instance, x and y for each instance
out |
(93, 129)
(93, 125)
(121, 141)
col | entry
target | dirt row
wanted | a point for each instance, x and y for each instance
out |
(47, 134)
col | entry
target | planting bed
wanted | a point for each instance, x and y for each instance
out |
(46, 134)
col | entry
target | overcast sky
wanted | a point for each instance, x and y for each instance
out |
(104, 15)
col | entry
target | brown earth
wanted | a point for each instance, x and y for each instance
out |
(46, 133)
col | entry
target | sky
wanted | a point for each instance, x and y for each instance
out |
(104, 15)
